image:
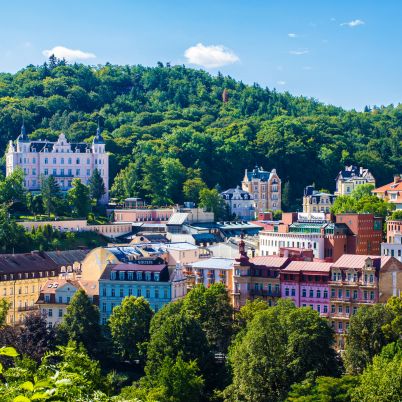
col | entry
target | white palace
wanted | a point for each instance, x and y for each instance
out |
(61, 159)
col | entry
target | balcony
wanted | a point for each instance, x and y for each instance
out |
(28, 308)
(341, 316)
(265, 292)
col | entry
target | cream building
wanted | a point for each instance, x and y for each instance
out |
(351, 177)
(316, 201)
(265, 187)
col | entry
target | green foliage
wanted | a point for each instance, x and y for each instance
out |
(381, 380)
(12, 188)
(51, 194)
(96, 186)
(366, 336)
(280, 347)
(12, 235)
(192, 189)
(211, 307)
(4, 307)
(396, 215)
(324, 389)
(362, 201)
(178, 381)
(213, 202)
(248, 312)
(81, 322)
(129, 325)
(78, 199)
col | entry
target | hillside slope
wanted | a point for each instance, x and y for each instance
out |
(165, 124)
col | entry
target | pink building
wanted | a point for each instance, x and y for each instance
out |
(61, 159)
(159, 215)
(306, 283)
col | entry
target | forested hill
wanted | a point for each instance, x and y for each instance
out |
(166, 124)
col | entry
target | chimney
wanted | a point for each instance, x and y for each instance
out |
(397, 178)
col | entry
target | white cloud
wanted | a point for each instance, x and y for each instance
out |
(210, 56)
(292, 35)
(281, 82)
(62, 52)
(353, 23)
(299, 52)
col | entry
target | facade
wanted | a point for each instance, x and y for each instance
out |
(60, 159)
(351, 177)
(209, 271)
(316, 201)
(240, 203)
(157, 215)
(393, 246)
(56, 294)
(22, 277)
(366, 233)
(391, 192)
(265, 187)
(306, 283)
(147, 277)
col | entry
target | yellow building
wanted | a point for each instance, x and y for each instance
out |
(23, 275)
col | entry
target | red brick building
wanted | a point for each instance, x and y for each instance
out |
(366, 233)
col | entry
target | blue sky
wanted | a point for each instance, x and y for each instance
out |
(346, 53)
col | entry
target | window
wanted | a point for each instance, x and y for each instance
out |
(147, 276)
(70, 172)
(304, 293)
(355, 294)
(165, 293)
(139, 276)
(113, 292)
(138, 292)
(54, 161)
(340, 294)
(62, 161)
(325, 294)
(47, 298)
(69, 161)
(292, 290)
(156, 293)
(347, 293)
(46, 161)
(318, 294)
(60, 312)
(60, 299)
(311, 294)
(340, 325)
(365, 295)
(121, 292)
(104, 291)
(77, 161)
(46, 172)
(340, 309)
(77, 172)
(325, 309)
(54, 172)
(319, 308)
(347, 309)
(130, 276)
(50, 312)
(286, 291)
(332, 292)
(371, 295)
(333, 309)
(68, 299)
(147, 293)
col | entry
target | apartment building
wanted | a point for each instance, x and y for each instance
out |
(351, 177)
(391, 192)
(317, 201)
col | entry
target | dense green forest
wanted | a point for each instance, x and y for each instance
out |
(167, 124)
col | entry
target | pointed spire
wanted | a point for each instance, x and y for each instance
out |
(23, 135)
(98, 137)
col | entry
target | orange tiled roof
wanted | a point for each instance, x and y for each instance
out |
(389, 187)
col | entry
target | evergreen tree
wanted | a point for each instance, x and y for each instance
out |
(96, 186)
(78, 198)
(51, 194)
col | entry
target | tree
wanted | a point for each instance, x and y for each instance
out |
(324, 389)
(366, 336)
(180, 335)
(281, 345)
(174, 176)
(211, 307)
(192, 189)
(213, 202)
(96, 186)
(178, 381)
(35, 338)
(4, 307)
(78, 198)
(381, 380)
(129, 325)
(362, 190)
(12, 188)
(81, 322)
(51, 194)
(248, 312)
(12, 235)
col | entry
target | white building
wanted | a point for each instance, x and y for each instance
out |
(61, 159)
(270, 242)
(240, 203)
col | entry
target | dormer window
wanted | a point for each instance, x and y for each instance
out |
(139, 276)
(113, 275)
(156, 276)
(121, 275)
(130, 276)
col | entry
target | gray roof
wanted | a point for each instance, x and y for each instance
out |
(178, 218)
(67, 257)
(214, 263)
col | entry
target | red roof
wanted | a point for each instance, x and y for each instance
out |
(357, 261)
(308, 266)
